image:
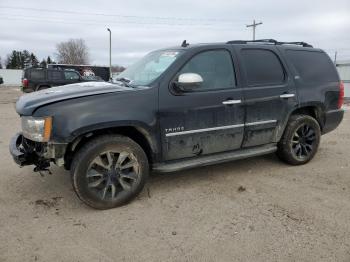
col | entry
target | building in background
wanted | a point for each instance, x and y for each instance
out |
(344, 72)
(11, 77)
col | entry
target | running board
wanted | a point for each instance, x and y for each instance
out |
(177, 165)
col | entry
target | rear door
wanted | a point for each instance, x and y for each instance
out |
(207, 120)
(269, 93)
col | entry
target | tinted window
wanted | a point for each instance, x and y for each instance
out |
(37, 75)
(215, 67)
(312, 67)
(55, 75)
(69, 75)
(262, 67)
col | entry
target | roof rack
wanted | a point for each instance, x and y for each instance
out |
(268, 41)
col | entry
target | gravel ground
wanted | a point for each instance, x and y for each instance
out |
(257, 209)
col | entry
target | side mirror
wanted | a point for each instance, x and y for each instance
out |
(189, 81)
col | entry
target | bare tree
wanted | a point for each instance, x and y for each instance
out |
(74, 51)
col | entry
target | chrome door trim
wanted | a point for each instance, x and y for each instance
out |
(260, 122)
(203, 130)
(231, 102)
(219, 128)
(287, 95)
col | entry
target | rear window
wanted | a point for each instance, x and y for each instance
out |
(55, 75)
(262, 67)
(313, 67)
(37, 75)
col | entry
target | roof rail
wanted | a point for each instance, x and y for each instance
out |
(268, 41)
(296, 43)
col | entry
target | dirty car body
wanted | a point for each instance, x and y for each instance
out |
(201, 104)
(110, 103)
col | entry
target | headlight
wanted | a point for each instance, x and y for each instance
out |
(37, 128)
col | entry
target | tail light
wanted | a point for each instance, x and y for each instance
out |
(341, 95)
(25, 82)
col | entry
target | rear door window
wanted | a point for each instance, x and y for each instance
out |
(312, 66)
(262, 67)
(37, 75)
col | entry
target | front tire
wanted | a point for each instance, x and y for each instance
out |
(109, 171)
(300, 140)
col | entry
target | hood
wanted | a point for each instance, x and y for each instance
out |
(27, 103)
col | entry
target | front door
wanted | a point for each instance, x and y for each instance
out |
(269, 93)
(208, 119)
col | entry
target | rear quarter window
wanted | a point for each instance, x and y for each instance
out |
(37, 75)
(312, 66)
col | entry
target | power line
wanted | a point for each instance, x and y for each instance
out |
(4, 16)
(254, 25)
(119, 15)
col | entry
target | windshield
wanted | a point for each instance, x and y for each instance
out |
(149, 67)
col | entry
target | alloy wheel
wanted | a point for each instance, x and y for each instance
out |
(112, 173)
(303, 141)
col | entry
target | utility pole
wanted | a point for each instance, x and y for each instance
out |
(110, 53)
(335, 57)
(254, 25)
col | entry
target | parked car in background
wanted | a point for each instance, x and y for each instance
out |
(35, 79)
(84, 70)
(1, 80)
(182, 107)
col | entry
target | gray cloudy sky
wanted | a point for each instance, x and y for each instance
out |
(141, 26)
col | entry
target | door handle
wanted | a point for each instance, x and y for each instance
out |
(231, 102)
(287, 95)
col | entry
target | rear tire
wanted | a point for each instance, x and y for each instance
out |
(300, 140)
(109, 171)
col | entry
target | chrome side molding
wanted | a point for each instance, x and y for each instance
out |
(203, 130)
(261, 122)
(287, 95)
(231, 102)
(219, 128)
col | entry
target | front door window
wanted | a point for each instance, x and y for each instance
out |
(215, 67)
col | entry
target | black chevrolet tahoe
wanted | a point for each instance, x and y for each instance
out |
(36, 79)
(178, 108)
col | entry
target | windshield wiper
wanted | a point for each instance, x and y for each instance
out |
(125, 81)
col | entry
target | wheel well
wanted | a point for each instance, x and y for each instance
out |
(312, 111)
(129, 131)
(40, 86)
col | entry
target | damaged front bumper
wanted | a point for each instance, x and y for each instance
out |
(27, 152)
(20, 155)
